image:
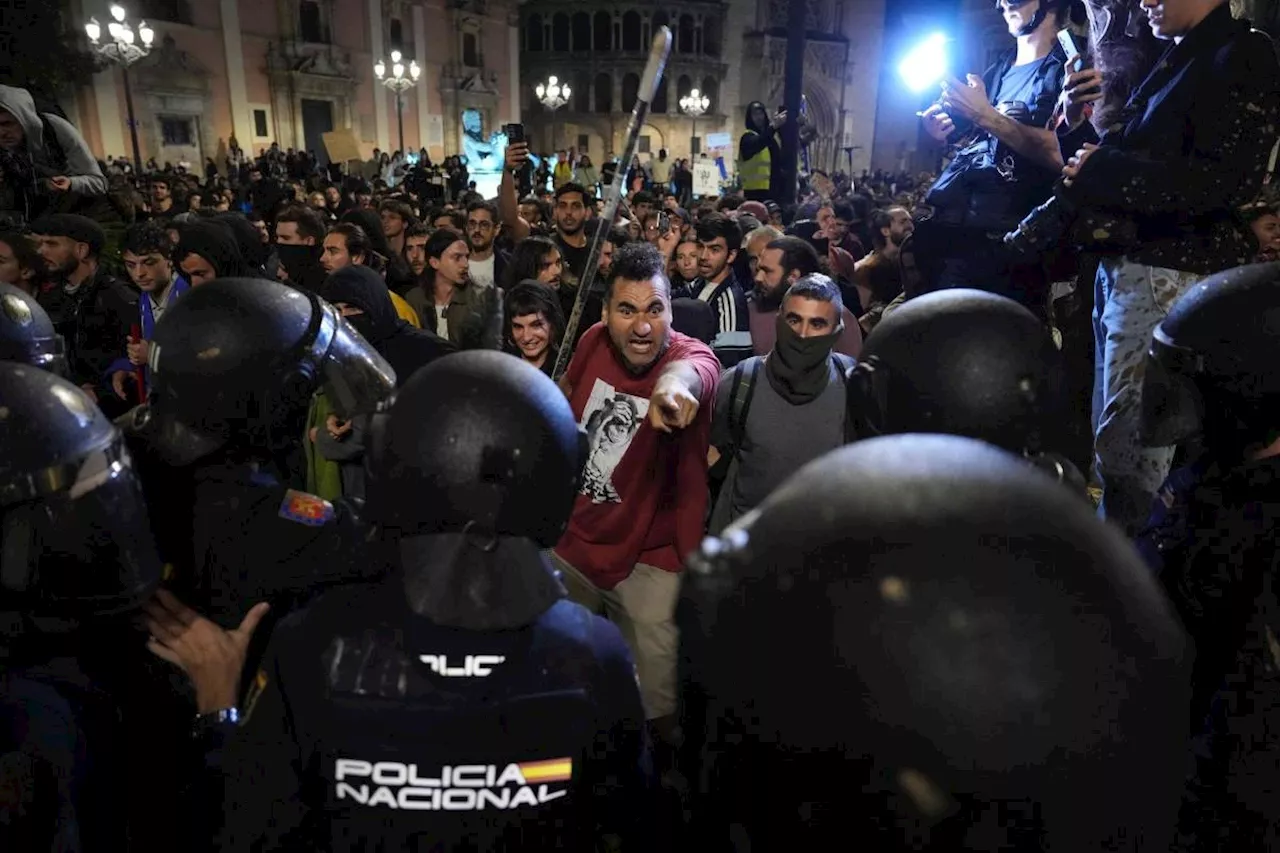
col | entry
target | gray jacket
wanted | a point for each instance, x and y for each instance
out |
(80, 167)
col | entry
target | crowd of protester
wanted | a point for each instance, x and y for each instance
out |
(738, 365)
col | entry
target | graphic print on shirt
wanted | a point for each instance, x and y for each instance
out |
(611, 420)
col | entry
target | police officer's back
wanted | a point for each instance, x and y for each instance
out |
(463, 703)
(918, 643)
(233, 370)
(76, 560)
(1210, 384)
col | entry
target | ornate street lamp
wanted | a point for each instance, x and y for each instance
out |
(124, 49)
(398, 82)
(553, 95)
(694, 105)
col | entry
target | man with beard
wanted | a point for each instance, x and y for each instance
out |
(92, 311)
(570, 213)
(487, 264)
(756, 423)
(415, 249)
(782, 263)
(643, 392)
(877, 276)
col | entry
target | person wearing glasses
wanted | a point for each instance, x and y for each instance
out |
(487, 263)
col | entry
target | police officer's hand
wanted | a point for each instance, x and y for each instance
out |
(937, 123)
(1080, 89)
(966, 99)
(672, 406)
(211, 656)
(337, 427)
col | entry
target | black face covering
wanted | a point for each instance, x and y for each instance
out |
(797, 368)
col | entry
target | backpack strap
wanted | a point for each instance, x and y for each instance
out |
(745, 374)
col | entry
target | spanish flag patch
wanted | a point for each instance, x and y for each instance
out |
(306, 509)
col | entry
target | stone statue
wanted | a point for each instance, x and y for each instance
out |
(483, 157)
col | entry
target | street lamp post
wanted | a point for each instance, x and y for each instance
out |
(124, 49)
(553, 95)
(694, 105)
(398, 83)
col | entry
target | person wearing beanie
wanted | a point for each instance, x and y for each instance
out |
(208, 250)
(92, 310)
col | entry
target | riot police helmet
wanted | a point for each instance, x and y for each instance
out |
(961, 362)
(236, 360)
(1210, 369)
(476, 441)
(74, 535)
(27, 334)
(920, 643)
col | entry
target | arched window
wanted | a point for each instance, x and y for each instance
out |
(603, 35)
(470, 50)
(631, 35)
(396, 33)
(581, 32)
(630, 91)
(659, 104)
(604, 93)
(684, 38)
(560, 32)
(581, 92)
(711, 88)
(533, 33)
(660, 19)
(711, 35)
(683, 86)
(311, 22)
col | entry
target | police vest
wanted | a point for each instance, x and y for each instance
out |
(756, 171)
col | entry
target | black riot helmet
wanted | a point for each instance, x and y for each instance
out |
(961, 362)
(472, 471)
(27, 334)
(74, 536)
(1211, 368)
(476, 441)
(959, 656)
(236, 360)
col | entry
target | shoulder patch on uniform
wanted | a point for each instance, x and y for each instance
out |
(254, 693)
(306, 509)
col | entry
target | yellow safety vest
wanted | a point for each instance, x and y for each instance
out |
(755, 171)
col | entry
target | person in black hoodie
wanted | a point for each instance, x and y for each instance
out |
(399, 276)
(362, 297)
(208, 250)
(248, 240)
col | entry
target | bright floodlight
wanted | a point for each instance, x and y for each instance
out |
(117, 12)
(926, 64)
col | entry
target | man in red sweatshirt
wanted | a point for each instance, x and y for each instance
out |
(644, 393)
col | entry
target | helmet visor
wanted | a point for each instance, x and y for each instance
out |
(356, 377)
(1172, 408)
(80, 543)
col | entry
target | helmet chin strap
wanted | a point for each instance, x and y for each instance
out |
(1036, 20)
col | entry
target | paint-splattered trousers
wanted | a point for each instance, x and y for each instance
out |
(1130, 300)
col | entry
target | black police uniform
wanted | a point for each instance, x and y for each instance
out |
(462, 703)
(75, 561)
(970, 363)
(234, 364)
(1212, 539)
(960, 656)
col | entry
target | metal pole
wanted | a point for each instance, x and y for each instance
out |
(400, 118)
(785, 177)
(133, 124)
(693, 138)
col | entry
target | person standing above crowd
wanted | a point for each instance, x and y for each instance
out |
(45, 164)
(1191, 148)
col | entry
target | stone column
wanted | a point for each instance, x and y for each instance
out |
(380, 92)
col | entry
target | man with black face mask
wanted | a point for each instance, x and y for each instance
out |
(782, 263)
(756, 424)
(462, 700)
